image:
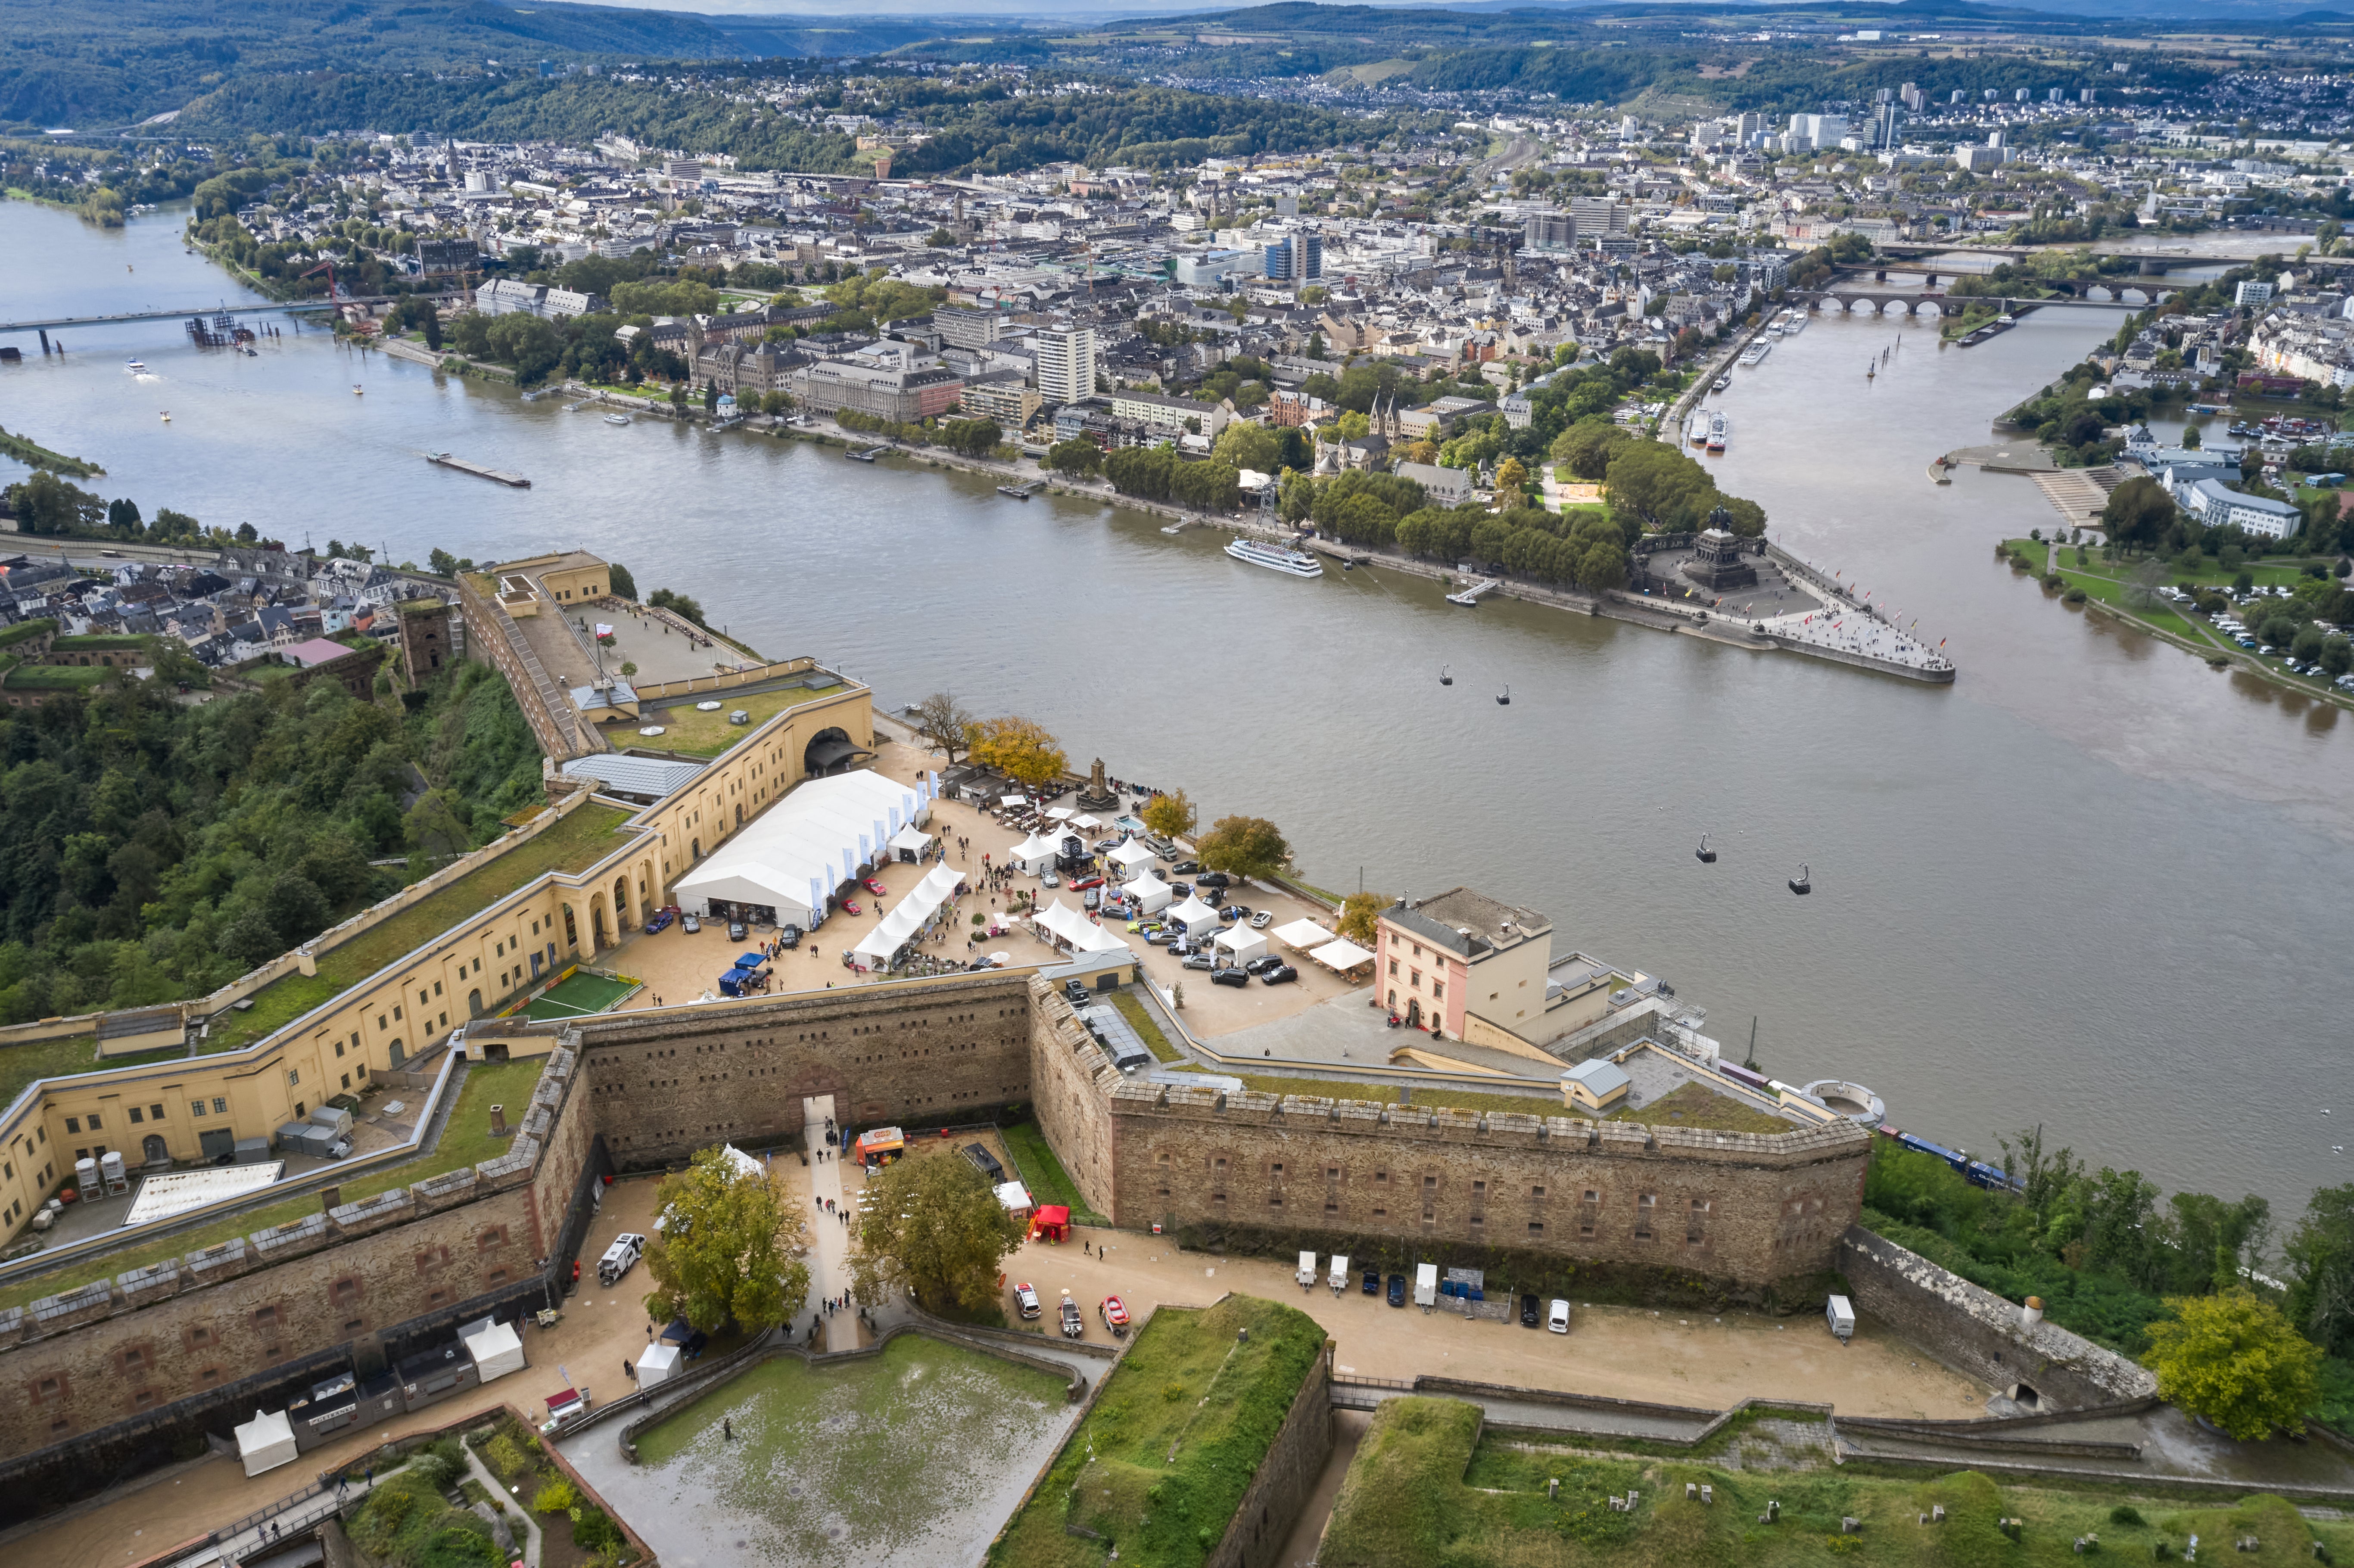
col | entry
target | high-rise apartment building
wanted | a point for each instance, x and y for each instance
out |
(1067, 363)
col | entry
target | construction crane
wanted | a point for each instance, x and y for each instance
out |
(328, 267)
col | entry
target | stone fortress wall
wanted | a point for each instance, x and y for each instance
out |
(646, 1089)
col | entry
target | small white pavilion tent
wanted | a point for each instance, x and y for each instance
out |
(910, 842)
(266, 1442)
(1035, 855)
(1341, 955)
(1198, 919)
(496, 1348)
(1132, 856)
(1240, 944)
(1152, 894)
(1302, 935)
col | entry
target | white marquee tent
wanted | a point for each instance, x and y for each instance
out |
(904, 919)
(1198, 919)
(1035, 855)
(1152, 894)
(1067, 927)
(794, 854)
(910, 842)
(1302, 935)
(496, 1348)
(658, 1365)
(1341, 955)
(1131, 854)
(266, 1442)
(1242, 944)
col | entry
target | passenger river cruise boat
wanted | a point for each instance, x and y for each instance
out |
(1275, 558)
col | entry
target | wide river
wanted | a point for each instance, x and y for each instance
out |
(2094, 885)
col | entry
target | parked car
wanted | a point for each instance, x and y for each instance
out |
(1082, 883)
(689, 923)
(1213, 879)
(1050, 880)
(1185, 868)
(1076, 993)
(1397, 1290)
(1231, 913)
(1025, 1297)
(1182, 889)
(1200, 962)
(1557, 1317)
(739, 932)
(1074, 1326)
(1282, 974)
(1114, 1316)
(1106, 845)
(1212, 896)
(789, 935)
(1262, 963)
(660, 921)
(1229, 977)
(850, 906)
(874, 885)
(1261, 920)
(1529, 1314)
(985, 1162)
(1373, 1282)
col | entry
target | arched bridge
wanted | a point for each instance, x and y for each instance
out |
(1870, 302)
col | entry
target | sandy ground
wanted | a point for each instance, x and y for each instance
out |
(600, 1328)
(1701, 1362)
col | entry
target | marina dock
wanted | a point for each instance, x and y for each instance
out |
(869, 455)
(1470, 598)
(464, 465)
(1022, 491)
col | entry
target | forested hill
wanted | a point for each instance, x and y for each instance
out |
(151, 852)
(79, 63)
(982, 131)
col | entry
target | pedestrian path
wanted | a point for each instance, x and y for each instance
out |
(497, 1488)
(829, 1244)
(293, 1521)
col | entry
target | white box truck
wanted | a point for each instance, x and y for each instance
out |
(1840, 1315)
(620, 1258)
(1340, 1281)
(1425, 1286)
(1307, 1275)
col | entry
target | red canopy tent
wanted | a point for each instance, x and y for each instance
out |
(1052, 1222)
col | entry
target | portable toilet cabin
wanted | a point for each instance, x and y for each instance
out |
(1306, 1276)
(1340, 1273)
(1840, 1315)
(1425, 1286)
(658, 1365)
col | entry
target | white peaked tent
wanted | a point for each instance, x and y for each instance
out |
(1152, 894)
(1341, 955)
(910, 842)
(794, 854)
(266, 1442)
(1035, 855)
(1242, 944)
(1130, 855)
(1198, 919)
(910, 915)
(658, 1365)
(1068, 928)
(1302, 935)
(496, 1348)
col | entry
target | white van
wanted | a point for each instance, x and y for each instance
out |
(1840, 1315)
(1306, 1276)
(1425, 1286)
(620, 1258)
(1340, 1281)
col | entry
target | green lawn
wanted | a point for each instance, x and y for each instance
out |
(1042, 1173)
(575, 843)
(697, 734)
(1146, 1028)
(21, 1064)
(1696, 1105)
(1179, 1427)
(465, 1140)
(1426, 1487)
(2099, 581)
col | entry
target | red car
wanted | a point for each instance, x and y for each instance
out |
(873, 885)
(1086, 882)
(1114, 1316)
(850, 906)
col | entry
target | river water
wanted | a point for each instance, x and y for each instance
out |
(2094, 885)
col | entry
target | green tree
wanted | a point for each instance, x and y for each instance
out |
(1018, 747)
(1245, 846)
(1171, 815)
(1659, 486)
(2138, 512)
(44, 503)
(297, 910)
(1075, 457)
(619, 577)
(2235, 1360)
(721, 1255)
(680, 605)
(932, 1226)
(2320, 1254)
(436, 826)
(2336, 656)
(710, 397)
(943, 722)
(1360, 917)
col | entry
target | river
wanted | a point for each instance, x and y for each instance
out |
(2094, 885)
